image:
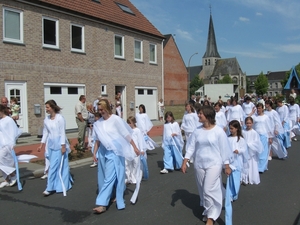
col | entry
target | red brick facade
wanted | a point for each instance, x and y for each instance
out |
(175, 74)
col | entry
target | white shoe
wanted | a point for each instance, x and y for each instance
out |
(44, 176)
(4, 184)
(164, 171)
(93, 165)
(46, 193)
(295, 139)
(13, 181)
(270, 158)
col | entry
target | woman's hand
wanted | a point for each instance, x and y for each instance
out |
(63, 149)
(183, 166)
(174, 134)
(236, 151)
(227, 170)
(39, 148)
(137, 152)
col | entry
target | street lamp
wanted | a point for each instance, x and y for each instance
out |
(190, 74)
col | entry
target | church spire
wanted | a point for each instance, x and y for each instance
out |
(211, 47)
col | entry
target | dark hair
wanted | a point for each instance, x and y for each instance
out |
(236, 124)
(169, 113)
(97, 115)
(143, 107)
(191, 105)
(209, 113)
(218, 104)
(248, 98)
(131, 119)
(269, 102)
(197, 106)
(259, 105)
(4, 109)
(291, 100)
(14, 99)
(249, 118)
(234, 100)
(206, 101)
(53, 105)
(81, 97)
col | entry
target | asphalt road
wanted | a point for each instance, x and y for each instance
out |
(164, 199)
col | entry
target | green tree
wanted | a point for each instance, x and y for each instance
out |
(195, 84)
(261, 84)
(287, 75)
(225, 80)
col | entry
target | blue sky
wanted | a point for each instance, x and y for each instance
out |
(264, 35)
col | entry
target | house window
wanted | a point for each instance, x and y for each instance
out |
(55, 90)
(276, 85)
(209, 62)
(149, 92)
(205, 62)
(138, 50)
(125, 8)
(270, 94)
(50, 33)
(77, 38)
(72, 91)
(119, 46)
(270, 85)
(140, 91)
(153, 53)
(12, 25)
(103, 89)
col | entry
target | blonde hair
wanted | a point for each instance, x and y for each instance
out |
(105, 105)
(131, 119)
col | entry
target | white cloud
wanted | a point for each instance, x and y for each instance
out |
(184, 34)
(288, 9)
(290, 48)
(244, 19)
(259, 14)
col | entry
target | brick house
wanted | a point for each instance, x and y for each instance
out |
(175, 74)
(58, 49)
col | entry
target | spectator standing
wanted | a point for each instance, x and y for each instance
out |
(161, 110)
(90, 122)
(81, 114)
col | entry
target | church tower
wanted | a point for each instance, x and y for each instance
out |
(211, 55)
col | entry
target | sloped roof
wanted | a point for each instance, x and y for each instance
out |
(107, 11)
(293, 74)
(228, 66)
(194, 71)
(211, 46)
(278, 75)
(167, 38)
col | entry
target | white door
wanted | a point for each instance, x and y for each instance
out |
(148, 97)
(122, 89)
(66, 96)
(19, 90)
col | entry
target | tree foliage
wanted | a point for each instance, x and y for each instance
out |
(287, 75)
(261, 84)
(225, 80)
(195, 84)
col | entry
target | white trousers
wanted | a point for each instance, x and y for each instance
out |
(210, 190)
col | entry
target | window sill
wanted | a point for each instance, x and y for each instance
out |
(51, 48)
(120, 58)
(78, 52)
(153, 63)
(13, 43)
(138, 61)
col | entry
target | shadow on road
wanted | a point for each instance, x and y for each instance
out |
(68, 216)
(297, 220)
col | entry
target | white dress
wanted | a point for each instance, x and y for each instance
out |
(211, 150)
(144, 123)
(247, 108)
(189, 123)
(235, 113)
(9, 133)
(254, 149)
(221, 119)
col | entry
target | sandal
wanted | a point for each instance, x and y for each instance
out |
(100, 209)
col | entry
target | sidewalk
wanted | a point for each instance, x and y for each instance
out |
(29, 145)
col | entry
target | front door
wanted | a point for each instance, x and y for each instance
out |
(18, 90)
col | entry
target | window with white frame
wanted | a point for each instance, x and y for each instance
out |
(103, 89)
(119, 46)
(77, 38)
(152, 53)
(12, 25)
(50, 33)
(138, 50)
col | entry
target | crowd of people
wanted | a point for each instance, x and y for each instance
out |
(238, 138)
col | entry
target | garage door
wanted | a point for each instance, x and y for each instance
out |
(148, 97)
(66, 96)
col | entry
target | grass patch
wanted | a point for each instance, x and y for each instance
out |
(177, 110)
